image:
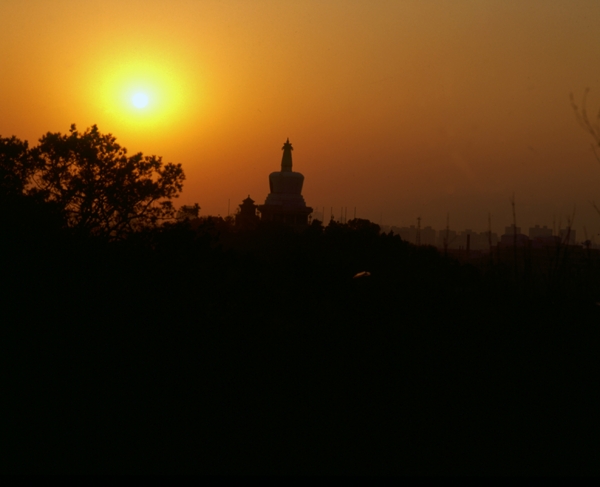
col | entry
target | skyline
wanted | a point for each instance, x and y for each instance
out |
(410, 109)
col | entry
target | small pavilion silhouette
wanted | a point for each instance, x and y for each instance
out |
(246, 218)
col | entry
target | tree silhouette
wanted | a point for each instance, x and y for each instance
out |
(100, 189)
(15, 166)
(188, 212)
(364, 226)
(592, 126)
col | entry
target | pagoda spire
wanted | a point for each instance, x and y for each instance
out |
(284, 203)
(286, 160)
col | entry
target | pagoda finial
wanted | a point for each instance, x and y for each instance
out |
(286, 160)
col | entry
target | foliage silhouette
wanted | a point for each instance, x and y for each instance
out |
(188, 212)
(16, 166)
(101, 189)
(24, 217)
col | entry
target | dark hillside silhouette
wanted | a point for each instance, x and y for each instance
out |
(198, 347)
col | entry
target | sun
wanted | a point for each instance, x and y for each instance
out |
(147, 93)
(139, 100)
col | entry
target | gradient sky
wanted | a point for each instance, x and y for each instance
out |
(399, 108)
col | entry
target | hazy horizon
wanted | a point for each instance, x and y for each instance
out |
(402, 109)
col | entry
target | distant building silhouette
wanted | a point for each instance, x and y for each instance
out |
(428, 235)
(539, 232)
(513, 235)
(469, 240)
(246, 218)
(415, 235)
(446, 238)
(408, 234)
(542, 236)
(465, 239)
(285, 203)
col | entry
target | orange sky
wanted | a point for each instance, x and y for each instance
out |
(400, 108)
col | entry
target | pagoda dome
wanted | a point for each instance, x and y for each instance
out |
(286, 185)
(285, 202)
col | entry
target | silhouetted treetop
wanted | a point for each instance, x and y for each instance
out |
(15, 166)
(364, 226)
(100, 188)
(188, 212)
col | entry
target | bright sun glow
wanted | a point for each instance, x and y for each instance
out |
(139, 100)
(149, 96)
(144, 94)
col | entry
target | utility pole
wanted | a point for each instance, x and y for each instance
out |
(418, 241)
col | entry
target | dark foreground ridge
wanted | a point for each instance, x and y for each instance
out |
(131, 346)
(198, 349)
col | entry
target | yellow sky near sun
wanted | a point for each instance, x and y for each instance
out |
(401, 108)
